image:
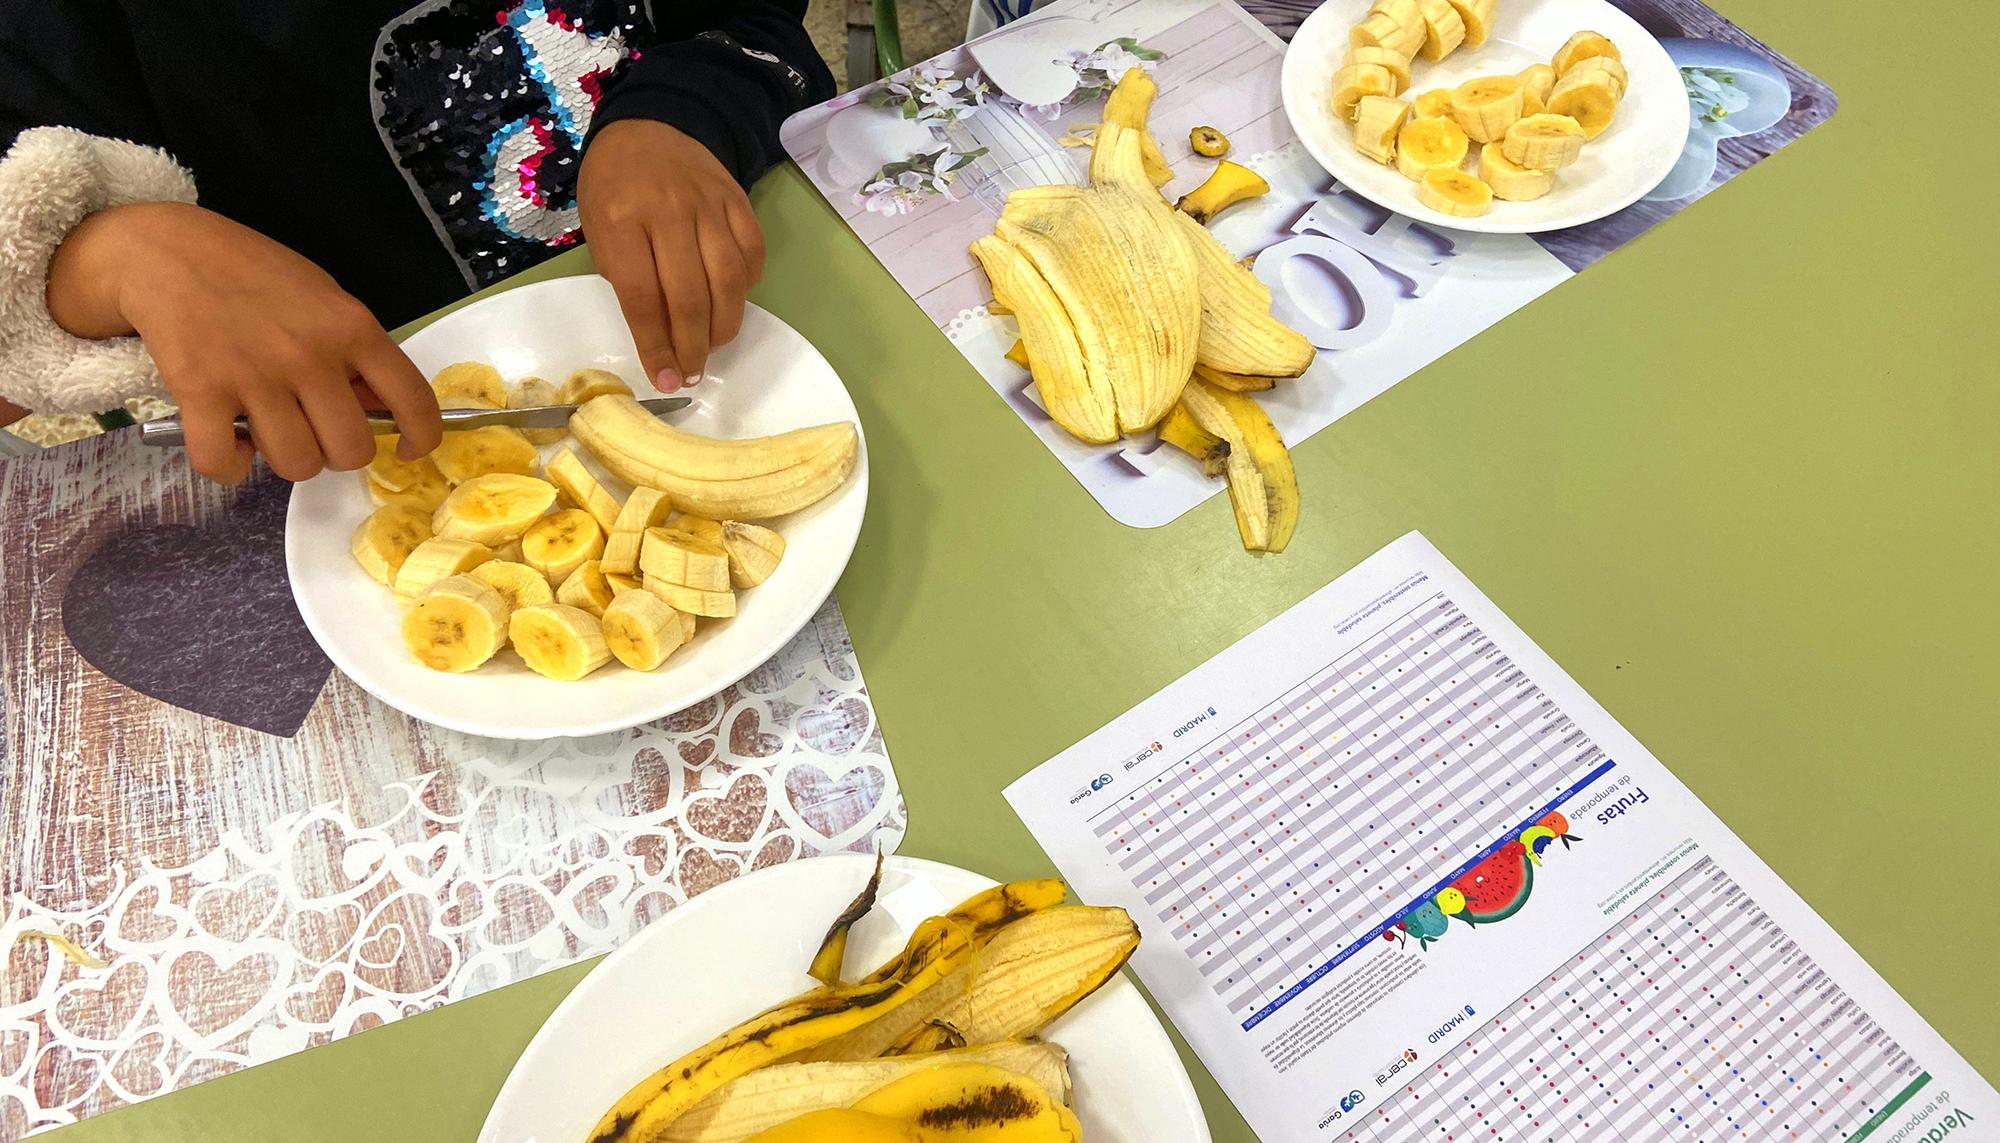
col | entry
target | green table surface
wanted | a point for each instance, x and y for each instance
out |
(1739, 479)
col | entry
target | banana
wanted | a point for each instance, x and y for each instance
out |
(1263, 488)
(645, 508)
(1449, 190)
(509, 551)
(1077, 399)
(839, 1125)
(1377, 121)
(754, 552)
(934, 952)
(933, 1036)
(386, 538)
(1580, 47)
(621, 552)
(1239, 334)
(1510, 180)
(1432, 104)
(492, 509)
(434, 560)
(692, 600)
(467, 453)
(424, 495)
(1606, 64)
(641, 631)
(529, 392)
(557, 640)
(392, 472)
(1408, 38)
(988, 911)
(1587, 96)
(780, 1093)
(1228, 184)
(575, 481)
(1355, 82)
(1208, 142)
(586, 589)
(620, 584)
(1234, 382)
(1485, 107)
(700, 527)
(518, 584)
(1444, 31)
(456, 625)
(740, 479)
(470, 379)
(1477, 16)
(1119, 157)
(1537, 82)
(1018, 354)
(586, 384)
(1543, 142)
(557, 545)
(1425, 144)
(973, 1103)
(1398, 66)
(1180, 431)
(678, 557)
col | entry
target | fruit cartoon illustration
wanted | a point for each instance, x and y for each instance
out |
(1450, 901)
(1537, 838)
(1557, 824)
(1426, 922)
(1497, 887)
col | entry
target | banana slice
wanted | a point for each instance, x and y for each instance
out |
(1377, 121)
(1432, 104)
(385, 539)
(434, 560)
(456, 625)
(1487, 106)
(1409, 17)
(572, 479)
(584, 384)
(1587, 96)
(621, 552)
(586, 588)
(1449, 190)
(754, 552)
(641, 630)
(476, 380)
(1355, 82)
(620, 584)
(645, 508)
(509, 551)
(1424, 144)
(700, 527)
(1380, 30)
(392, 472)
(1395, 63)
(559, 641)
(678, 557)
(1605, 64)
(529, 392)
(518, 584)
(493, 509)
(1537, 82)
(1543, 142)
(467, 453)
(1580, 47)
(424, 495)
(1444, 31)
(1477, 16)
(693, 600)
(557, 545)
(1510, 180)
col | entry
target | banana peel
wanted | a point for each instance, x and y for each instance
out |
(949, 1103)
(1263, 487)
(1180, 431)
(826, 963)
(1228, 184)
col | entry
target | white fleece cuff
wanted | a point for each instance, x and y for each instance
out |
(50, 180)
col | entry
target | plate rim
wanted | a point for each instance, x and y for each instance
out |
(295, 558)
(1295, 62)
(543, 1042)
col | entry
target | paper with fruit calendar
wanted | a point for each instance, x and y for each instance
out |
(920, 164)
(1399, 877)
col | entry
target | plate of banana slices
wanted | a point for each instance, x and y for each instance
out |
(1497, 116)
(763, 1011)
(561, 582)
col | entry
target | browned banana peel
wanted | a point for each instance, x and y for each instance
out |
(1229, 184)
(1180, 431)
(1234, 382)
(930, 1036)
(826, 963)
(1263, 488)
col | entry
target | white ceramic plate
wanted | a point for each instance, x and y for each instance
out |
(743, 946)
(1631, 157)
(768, 380)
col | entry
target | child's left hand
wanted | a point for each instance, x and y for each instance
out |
(675, 236)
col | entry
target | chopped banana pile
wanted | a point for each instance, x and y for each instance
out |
(1133, 316)
(1528, 126)
(487, 547)
(934, 1045)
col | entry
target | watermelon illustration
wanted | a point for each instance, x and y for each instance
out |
(1496, 888)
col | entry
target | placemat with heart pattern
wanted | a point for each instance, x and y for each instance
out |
(269, 859)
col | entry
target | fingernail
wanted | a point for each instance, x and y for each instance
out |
(667, 380)
(696, 379)
(405, 450)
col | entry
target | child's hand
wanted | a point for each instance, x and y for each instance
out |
(241, 326)
(675, 236)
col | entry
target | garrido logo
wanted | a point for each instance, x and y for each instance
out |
(1408, 1057)
(1348, 1103)
(1096, 784)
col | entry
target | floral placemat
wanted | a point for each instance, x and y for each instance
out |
(255, 857)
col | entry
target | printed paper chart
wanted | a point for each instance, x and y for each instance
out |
(1397, 767)
(1695, 1017)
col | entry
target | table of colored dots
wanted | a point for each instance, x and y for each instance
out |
(1694, 1018)
(1287, 840)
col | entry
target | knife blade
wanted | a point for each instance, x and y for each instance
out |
(167, 430)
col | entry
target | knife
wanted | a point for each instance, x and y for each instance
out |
(167, 430)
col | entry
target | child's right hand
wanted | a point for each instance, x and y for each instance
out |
(241, 326)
